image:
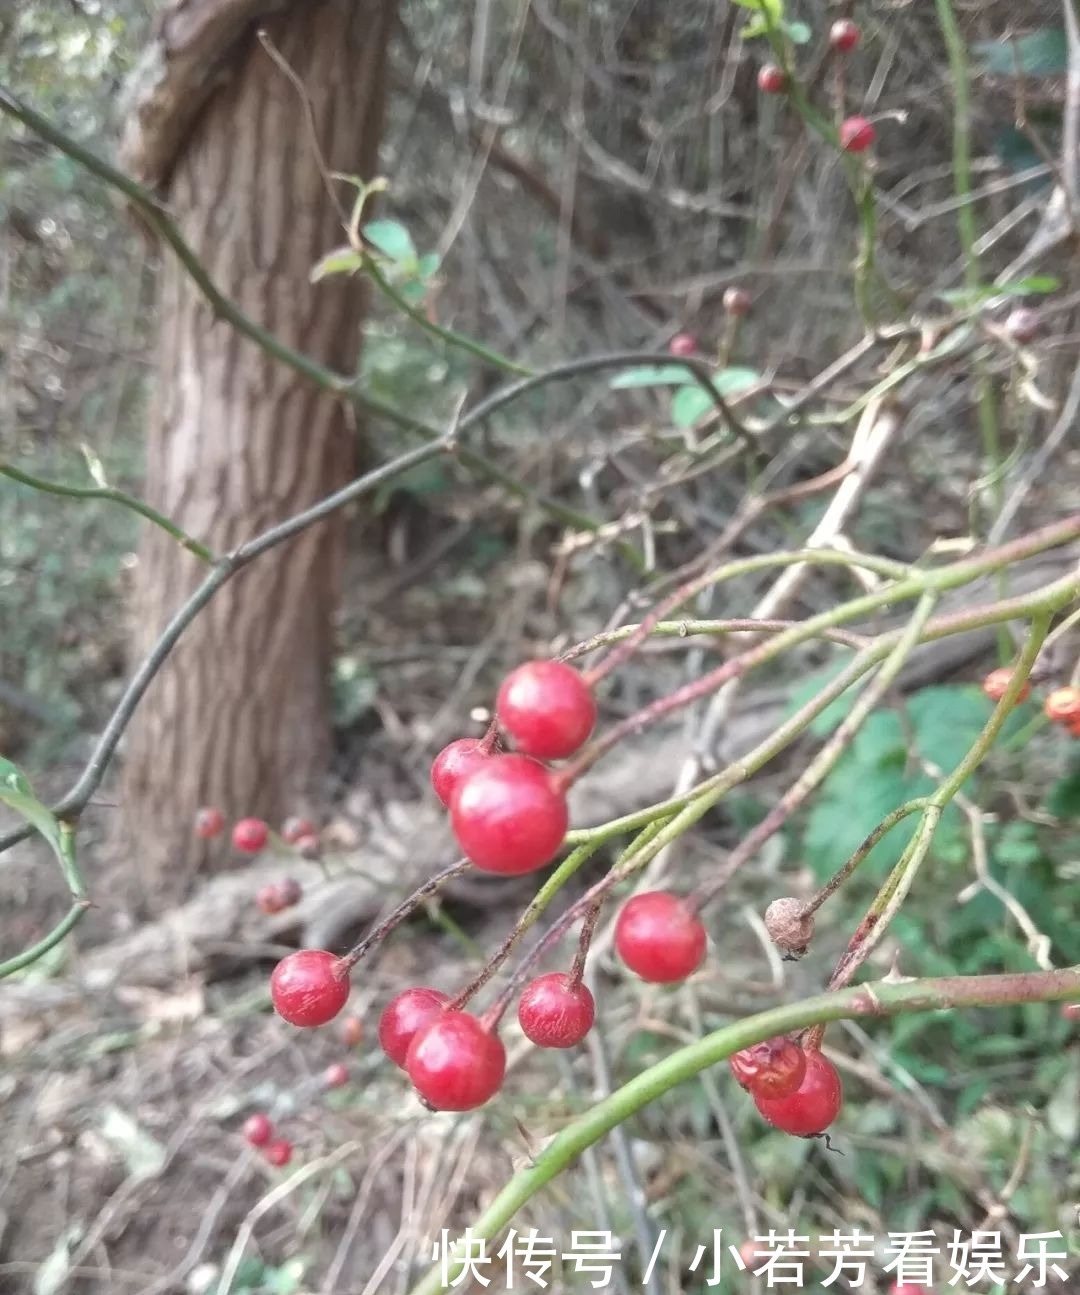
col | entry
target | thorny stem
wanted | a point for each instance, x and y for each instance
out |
(688, 628)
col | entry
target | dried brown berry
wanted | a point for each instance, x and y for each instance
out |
(789, 928)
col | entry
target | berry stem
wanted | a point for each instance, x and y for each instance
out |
(407, 906)
(588, 926)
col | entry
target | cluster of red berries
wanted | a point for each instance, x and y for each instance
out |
(798, 1091)
(259, 1132)
(1061, 706)
(250, 835)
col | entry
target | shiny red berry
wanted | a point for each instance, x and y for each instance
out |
(336, 1075)
(555, 1014)
(250, 835)
(997, 681)
(352, 1031)
(455, 1064)
(507, 816)
(683, 344)
(209, 822)
(294, 828)
(453, 763)
(737, 301)
(658, 937)
(309, 987)
(258, 1130)
(774, 1068)
(771, 79)
(844, 35)
(812, 1107)
(279, 1153)
(403, 1016)
(1062, 706)
(856, 134)
(547, 708)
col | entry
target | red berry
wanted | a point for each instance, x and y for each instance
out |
(352, 1031)
(1062, 706)
(257, 1130)
(268, 899)
(507, 815)
(250, 835)
(856, 134)
(907, 1288)
(308, 846)
(209, 822)
(1071, 1011)
(996, 682)
(454, 1063)
(290, 892)
(403, 1016)
(771, 79)
(737, 301)
(812, 1107)
(309, 987)
(774, 1068)
(455, 762)
(294, 828)
(547, 708)
(683, 344)
(844, 35)
(336, 1075)
(657, 936)
(279, 1153)
(555, 1014)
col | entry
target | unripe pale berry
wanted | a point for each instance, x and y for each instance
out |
(352, 1031)
(773, 1068)
(844, 35)
(1062, 706)
(772, 79)
(997, 681)
(336, 1075)
(683, 344)
(553, 1013)
(279, 1153)
(788, 928)
(209, 822)
(249, 835)
(507, 816)
(403, 1016)
(455, 1063)
(812, 1107)
(453, 763)
(547, 708)
(294, 828)
(258, 1130)
(737, 301)
(658, 937)
(309, 987)
(856, 134)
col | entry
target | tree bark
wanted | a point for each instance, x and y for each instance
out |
(239, 716)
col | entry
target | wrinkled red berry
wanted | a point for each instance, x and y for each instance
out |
(294, 828)
(547, 708)
(844, 35)
(682, 344)
(454, 1063)
(507, 816)
(737, 301)
(279, 1153)
(209, 822)
(250, 835)
(336, 1075)
(555, 1014)
(812, 1107)
(309, 987)
(1062, 706)
(856, 134)
(658, 937)
(352, 1031)
(403, 1016)
(258, 1130)
(771, 79)
(997, 681)
(774, 1068)
(453, 763)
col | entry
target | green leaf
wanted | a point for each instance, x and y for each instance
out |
(689, 404)
(342, 260)
(1064, 798)
(1035, 284)
(427, 265)
(17, 793)
(1040, 53)
(391, 238)
(651, 375)
(772, 8)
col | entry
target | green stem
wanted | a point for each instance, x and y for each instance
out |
(50, 941)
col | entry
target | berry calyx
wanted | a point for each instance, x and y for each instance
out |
(812, 1107)
(507, 815)
(257, 1130)
(1062, 706)
(294, 828)
(774, 1068)
(856, 134)
(279, 1153)
(682, 344)
(547, 708)
(455, 762)
(737, 302)
(554, 1013)
(309, 987)
(788, 927)
(403, 1016)
(997, 681)
(772, 79)
(209, 822)
(352, 1031)
(336, 1075)
(658, 937)
(249, 835)
(844, 35)
(455, 1063)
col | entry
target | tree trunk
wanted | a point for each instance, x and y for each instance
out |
(239, 716)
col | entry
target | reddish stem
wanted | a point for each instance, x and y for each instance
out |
(403, 910)
(577, 969)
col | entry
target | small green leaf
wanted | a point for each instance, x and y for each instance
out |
(342, 260)
(17, 793)
(1064, 798)
(730, 381)
(1041, 53)
(689, 404)
(427, 265)
(651, 375)
(391, 238)
(1034, 285)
